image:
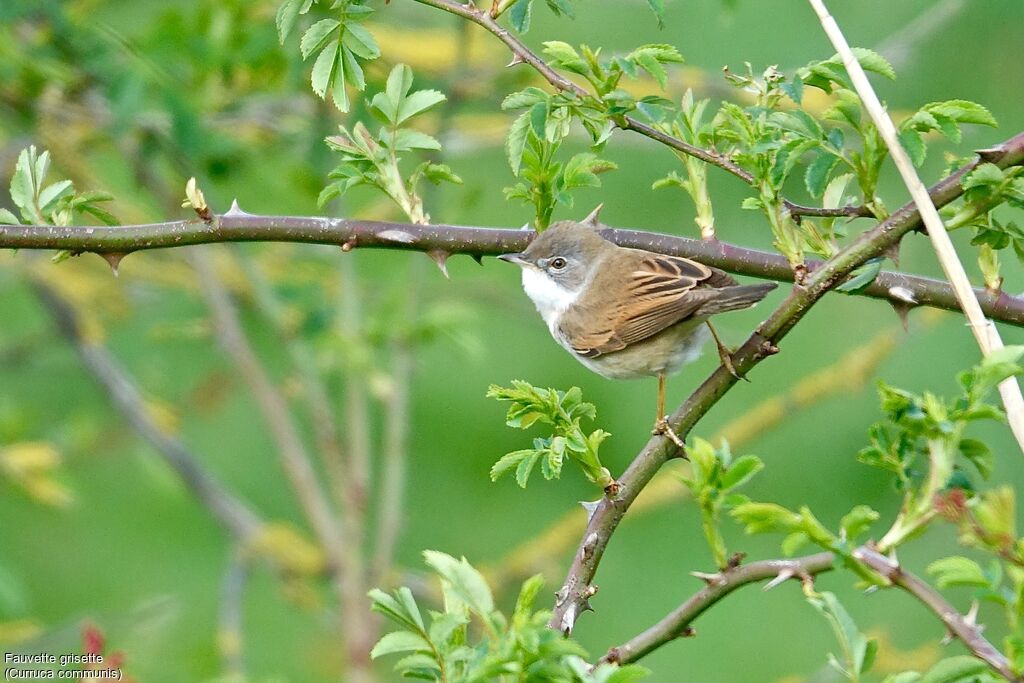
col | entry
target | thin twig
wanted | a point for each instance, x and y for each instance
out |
(895, 287)
(676, 624)
(959, 626)
(985, 331)
(235, 516)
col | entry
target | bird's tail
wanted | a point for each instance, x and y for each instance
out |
(734, 298)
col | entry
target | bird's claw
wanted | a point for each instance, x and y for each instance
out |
(663, 428)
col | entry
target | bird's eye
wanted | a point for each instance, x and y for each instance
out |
(558, 263)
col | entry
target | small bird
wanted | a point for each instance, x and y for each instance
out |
(627, 313)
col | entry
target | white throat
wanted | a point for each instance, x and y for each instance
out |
(550, 298)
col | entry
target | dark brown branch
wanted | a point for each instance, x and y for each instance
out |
(960, 626)
(234, 515)
(575, 592)
(474, 241)
(676, 623)
(524, 55)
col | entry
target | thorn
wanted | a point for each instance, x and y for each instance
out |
(948, 638)
(440, 257)
(904, 294)
(591, 507)
(526, 226)
(709, 579)
(688, 632)
(592, 218)
(971, 618)
(517, 59)
(113, 259)
(568, 620)
(349, 244)
(991, 153)
(479, 258)
(236, 210)
(902, 312)
(782, 577)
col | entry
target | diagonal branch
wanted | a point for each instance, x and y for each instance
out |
(960, 626)
(573, 596)
(676, 623)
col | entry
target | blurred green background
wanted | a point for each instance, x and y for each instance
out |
(135, 97)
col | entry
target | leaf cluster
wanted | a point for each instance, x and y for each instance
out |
(368, 159)
(340, 42)
(517, 647)
(562, 411)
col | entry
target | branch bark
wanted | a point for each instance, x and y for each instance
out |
(898, 288)
(960, 626)
(573, 596)
(676, 623)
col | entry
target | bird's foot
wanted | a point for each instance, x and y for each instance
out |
(726, 357)
(663, 428)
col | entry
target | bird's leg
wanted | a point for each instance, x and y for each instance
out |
(723, 352)
(661, 425)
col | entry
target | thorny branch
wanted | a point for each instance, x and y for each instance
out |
(900, 289)
(963, 627)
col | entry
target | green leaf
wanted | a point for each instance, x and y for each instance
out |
(418, 102)
(360, 41)
(525, 467)
(818, 171)
(914, 144)
(8, 218)
(563, 55)
(958, 571)
(287, 13)
(515, 142)
(401, 607)
(316, 36)
(979, 454)
(741, 471)
(962, 111)
(520, 15)
(399, 641)
(464, 580)
(524, 98)
(862, 277)
(658, 7)
(324, 67)
(856, 521)
(765, 517)
(508, 461)
(872, 61)
(406, 139)
(398, 84)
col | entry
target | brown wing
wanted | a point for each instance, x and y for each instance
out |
(659, 292)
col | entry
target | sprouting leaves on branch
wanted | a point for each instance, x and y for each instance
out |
(340, 42)
(368, 159)
(472, 641)
(563, 411)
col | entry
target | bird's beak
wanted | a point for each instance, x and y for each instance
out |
(513, 258)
